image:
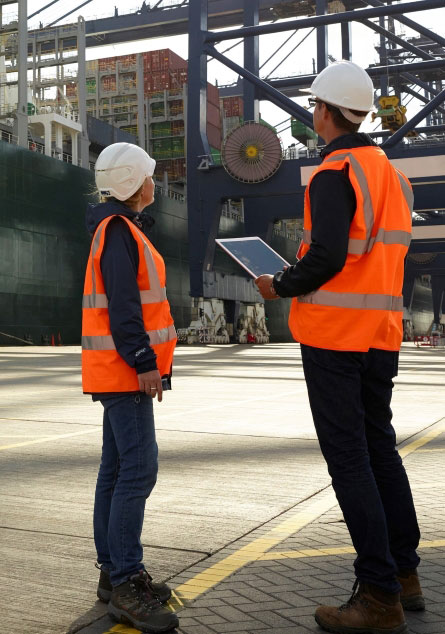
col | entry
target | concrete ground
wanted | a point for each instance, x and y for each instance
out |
(243, 521)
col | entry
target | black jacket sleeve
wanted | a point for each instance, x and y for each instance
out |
(119, 265)
(333, 205)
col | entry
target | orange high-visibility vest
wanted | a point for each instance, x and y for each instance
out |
(361, 307)
(103, 369)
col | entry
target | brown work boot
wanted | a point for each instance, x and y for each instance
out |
(411, 596)
(368, 611)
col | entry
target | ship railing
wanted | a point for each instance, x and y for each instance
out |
(170, 193)
(9, 137)
(36, 147)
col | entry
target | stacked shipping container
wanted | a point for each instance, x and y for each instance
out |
(165, 75)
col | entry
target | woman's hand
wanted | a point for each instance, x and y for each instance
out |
(151, 384)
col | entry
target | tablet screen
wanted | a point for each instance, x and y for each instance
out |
(253, 254)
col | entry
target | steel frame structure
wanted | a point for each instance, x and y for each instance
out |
(208, 185)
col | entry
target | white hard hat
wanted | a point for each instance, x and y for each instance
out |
(347, 86)
(121, 169)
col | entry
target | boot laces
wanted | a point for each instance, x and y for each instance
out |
(145, 592)
(356, 597)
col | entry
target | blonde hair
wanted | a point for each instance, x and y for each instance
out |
(131, 202)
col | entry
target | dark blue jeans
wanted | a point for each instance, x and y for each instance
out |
(350, 395)
(127, 475)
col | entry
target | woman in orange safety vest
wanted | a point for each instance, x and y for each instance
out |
(128, 340)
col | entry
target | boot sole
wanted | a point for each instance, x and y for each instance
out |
(414, 604)
(120, 616)
(360, 630)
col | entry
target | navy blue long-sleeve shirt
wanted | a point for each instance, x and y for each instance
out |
(333, 205)
(119, 266)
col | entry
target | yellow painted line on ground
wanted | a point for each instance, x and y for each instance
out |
(49, 438)
(340, 550)
(257, 549)
(203, 581)
(434, 432)
(436, 449)
(122, 629)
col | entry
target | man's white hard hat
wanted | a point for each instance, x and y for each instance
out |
(121, 169)
(347, 86)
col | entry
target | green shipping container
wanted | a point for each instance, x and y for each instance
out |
(157, 109)
(162, 149)
(177, 145)
(91, 86)
(300, 130)
(161, 129)
(216, 155)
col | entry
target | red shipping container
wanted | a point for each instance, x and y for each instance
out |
(233, 106)
(177, 128)
(213, 94)
(214, 136)
(71, 90)
(213, 115)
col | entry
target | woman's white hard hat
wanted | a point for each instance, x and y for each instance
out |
(121, 170)
(347, 86)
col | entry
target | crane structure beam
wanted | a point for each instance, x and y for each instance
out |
(208, 183)
(324, 20)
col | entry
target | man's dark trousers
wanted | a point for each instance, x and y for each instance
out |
(350, 396)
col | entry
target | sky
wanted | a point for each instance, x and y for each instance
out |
(299, 61)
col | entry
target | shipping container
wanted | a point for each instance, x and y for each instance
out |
(177, 128)
(213, 95)
(162, 60)
(176, 108)
(214, 136)
(216, 155)
(177, 146)
(71, 90)
(91, 86)
(157, 109)
(233, 106)
(107, 63)
(175, 168)
(229, 124)
(161, 129)
(162, 148)
(213, 115)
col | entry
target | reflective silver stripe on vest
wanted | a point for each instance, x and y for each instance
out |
(353, 300)
(407, 191)
(307, 236)
(101, 301)
(359, 247)
(94, 248)
(153, 295)
(95, 301)
(105, 342)
(368, 210)
(396, 236)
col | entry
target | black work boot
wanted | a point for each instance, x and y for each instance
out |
(104, 588)
(134, 603)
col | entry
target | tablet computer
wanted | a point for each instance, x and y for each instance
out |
(253, 254)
